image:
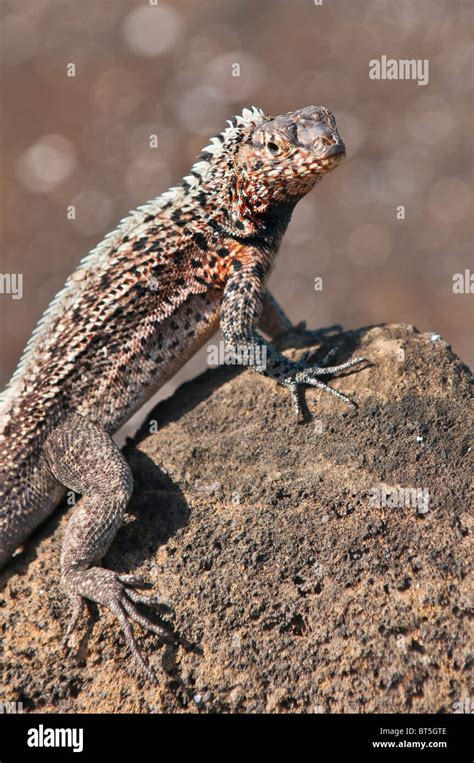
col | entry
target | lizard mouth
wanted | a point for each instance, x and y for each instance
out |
(331, 158)
(338, 149)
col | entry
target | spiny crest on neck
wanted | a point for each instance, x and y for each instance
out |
(220, 144)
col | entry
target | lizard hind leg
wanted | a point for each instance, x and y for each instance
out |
(84, 458)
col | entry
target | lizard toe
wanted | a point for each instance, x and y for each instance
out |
(124, 607)
(134, 581)
(120, 611)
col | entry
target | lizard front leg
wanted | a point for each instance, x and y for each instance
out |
(84, 458)
(242, 307)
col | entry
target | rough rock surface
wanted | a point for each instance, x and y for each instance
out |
(301, 592)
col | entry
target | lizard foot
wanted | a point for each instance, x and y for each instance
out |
(304, 373)
(117, 592)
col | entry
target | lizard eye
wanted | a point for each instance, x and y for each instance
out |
(273, 148)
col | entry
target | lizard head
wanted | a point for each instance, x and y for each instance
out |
(284, 157)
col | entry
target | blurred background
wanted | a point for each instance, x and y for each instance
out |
(166, 68)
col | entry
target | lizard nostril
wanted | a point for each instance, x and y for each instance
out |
(323, 141)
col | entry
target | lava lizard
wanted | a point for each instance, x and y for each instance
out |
(131, 314)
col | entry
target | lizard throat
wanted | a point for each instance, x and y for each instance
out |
(249, 212)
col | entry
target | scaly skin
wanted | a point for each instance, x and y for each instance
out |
(136, 308)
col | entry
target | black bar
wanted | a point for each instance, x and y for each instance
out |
(203, 736)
